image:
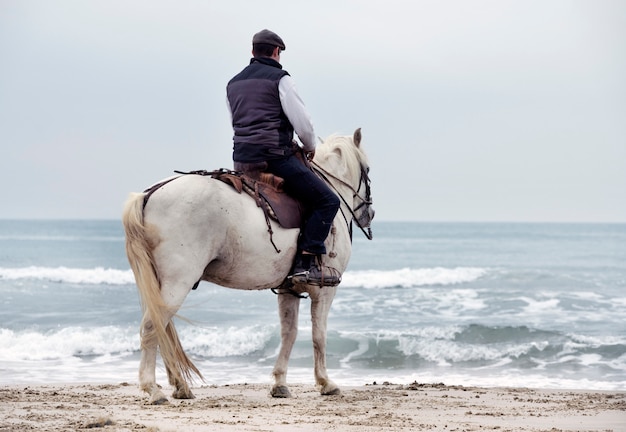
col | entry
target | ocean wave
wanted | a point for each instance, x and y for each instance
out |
(97, 275)
(232, 341)
(446, 345)
(405, 277)
(408, 277)
(66, 343)
(478, 347)
(213, 342)
(474, 349)
(439, 345)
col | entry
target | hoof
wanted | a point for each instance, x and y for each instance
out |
(280, 391)
(329, 388)
(159, 399)
(183, 394)
(332, 392)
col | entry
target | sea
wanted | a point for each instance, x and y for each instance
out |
(473, 304)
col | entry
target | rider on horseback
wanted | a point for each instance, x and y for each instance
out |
(266, 110)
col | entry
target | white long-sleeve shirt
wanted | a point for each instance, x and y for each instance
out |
(296, 112)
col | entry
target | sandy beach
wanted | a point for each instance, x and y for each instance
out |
(248, 407)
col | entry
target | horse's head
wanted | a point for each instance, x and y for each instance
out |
(343, 159)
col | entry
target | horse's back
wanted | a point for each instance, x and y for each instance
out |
(207, 228)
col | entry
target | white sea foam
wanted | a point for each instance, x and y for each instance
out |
(449, 304)
(596, 341)
(66, 343)
(219, 342)
(541, 306)
(441, 345)
(97, 275)
(405, 277)
(408, 277)
(446, 352)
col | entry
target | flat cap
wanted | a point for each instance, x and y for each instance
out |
(268, 37)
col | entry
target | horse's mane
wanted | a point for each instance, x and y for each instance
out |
(352, 156)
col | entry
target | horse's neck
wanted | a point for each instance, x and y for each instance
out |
(338, 180)
(339, 183)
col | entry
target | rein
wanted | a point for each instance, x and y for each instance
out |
(323, 173)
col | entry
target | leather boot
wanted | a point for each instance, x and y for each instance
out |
(308, 269)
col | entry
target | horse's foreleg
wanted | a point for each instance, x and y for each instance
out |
(147, 366)
(288, 308)
(320, 306)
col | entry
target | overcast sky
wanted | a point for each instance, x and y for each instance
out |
(471, 110)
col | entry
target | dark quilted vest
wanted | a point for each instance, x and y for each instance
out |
(262, 130)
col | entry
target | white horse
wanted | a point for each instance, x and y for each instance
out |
(197, 228)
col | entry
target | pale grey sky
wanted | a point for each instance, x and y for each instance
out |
(471, 110)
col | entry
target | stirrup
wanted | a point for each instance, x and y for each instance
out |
(300, 277)
(326, 276)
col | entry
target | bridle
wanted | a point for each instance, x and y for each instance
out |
(367, 201)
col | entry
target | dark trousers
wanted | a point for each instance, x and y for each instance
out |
(320, 201)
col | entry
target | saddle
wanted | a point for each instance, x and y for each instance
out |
(267, 191)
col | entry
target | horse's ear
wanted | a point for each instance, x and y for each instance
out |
(357, 137)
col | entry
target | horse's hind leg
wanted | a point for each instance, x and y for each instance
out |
(288, 308)
(147, 365)
(181, 387)
(321, 300)
(149, 344)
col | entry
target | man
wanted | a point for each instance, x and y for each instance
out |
(266, 110)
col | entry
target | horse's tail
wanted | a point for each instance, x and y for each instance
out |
(141, 239)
